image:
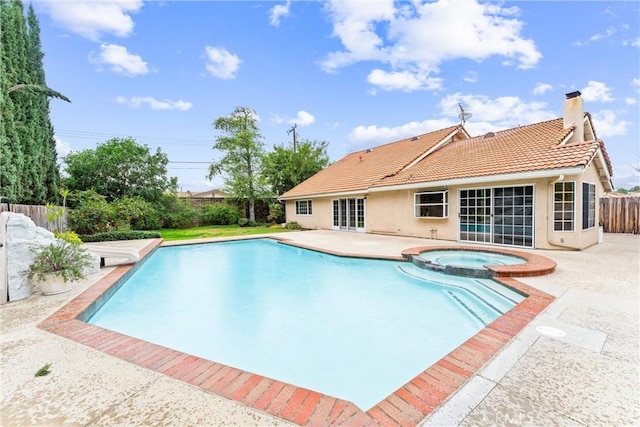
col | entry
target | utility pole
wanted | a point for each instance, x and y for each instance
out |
(295, 138)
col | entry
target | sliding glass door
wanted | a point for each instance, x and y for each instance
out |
(501, 215)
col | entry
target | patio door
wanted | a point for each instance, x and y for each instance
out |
(475, 215)
(501, 215)
(348, 214)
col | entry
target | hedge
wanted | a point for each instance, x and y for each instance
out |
(110, 236)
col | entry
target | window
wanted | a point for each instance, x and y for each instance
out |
(563, 206)
(303, 207)
(588, 205)
(432, 204)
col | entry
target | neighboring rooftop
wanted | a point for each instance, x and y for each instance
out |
(217, 194)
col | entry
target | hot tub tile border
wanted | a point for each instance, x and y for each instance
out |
(407, 406)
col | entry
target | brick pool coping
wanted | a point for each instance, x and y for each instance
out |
(407, 406)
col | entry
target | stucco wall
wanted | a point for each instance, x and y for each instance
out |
(392, 212)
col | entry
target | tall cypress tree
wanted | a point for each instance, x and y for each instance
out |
(48, 174)
(12, 156)
(28, 160)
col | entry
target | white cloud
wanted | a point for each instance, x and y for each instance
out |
(488, 114)
(471, 77)
(396, 36)
(596, 91)
(631, 101)
(302, 119)
(542, 88)
(626, 175)
(154, 104)
(406, 81)
(636, 83)
(221, 63)
(278, 12)
(598, 36)
(608, 125)
(62, 147)
(120, 60)
(501, 112)
(633, 42)
(91, 19)
(361, 135)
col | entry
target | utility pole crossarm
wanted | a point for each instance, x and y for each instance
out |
(295, 138)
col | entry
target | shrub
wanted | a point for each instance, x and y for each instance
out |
(174, 212)
(220, 214)
(61, 258)
(243, 222)
(251, 223)
(276, 212)
(69, 236)
(120, 235)
(131, 213)
(91, 213)
(292, 225)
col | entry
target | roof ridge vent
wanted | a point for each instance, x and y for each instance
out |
(489, 135)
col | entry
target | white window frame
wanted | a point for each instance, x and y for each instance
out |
(304, 208)
(444, 204)
(563, 210)
(591, 220)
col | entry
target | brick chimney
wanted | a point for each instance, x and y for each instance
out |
(573, 115)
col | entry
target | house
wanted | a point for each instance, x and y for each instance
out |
(533, 186)
(210, 194)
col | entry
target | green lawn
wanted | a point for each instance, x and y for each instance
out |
(216, 231)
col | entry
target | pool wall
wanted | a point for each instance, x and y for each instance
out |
(408, 405)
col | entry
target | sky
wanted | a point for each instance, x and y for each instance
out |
(354, 73)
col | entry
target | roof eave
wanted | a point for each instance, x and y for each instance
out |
(334, 194)
(547, 173)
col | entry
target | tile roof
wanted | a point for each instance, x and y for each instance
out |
(362, 169)
(530, 148)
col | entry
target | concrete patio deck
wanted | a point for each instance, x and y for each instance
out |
(588, 376)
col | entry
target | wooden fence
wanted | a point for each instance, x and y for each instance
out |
(38, 215)
(620, 214)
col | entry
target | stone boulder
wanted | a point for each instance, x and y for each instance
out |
(22, 237)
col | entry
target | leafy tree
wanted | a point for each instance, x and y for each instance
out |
(120, 168)
(242, 160)
(286, 167)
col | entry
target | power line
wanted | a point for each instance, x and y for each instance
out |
(200, 169)
(204, 163)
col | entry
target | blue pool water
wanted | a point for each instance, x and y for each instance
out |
(356, 329)
(471, 259)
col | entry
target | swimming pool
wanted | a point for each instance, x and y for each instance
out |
(352, 328)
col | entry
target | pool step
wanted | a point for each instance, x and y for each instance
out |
(482, 298)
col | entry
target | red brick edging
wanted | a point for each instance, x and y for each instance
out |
(407, 406)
